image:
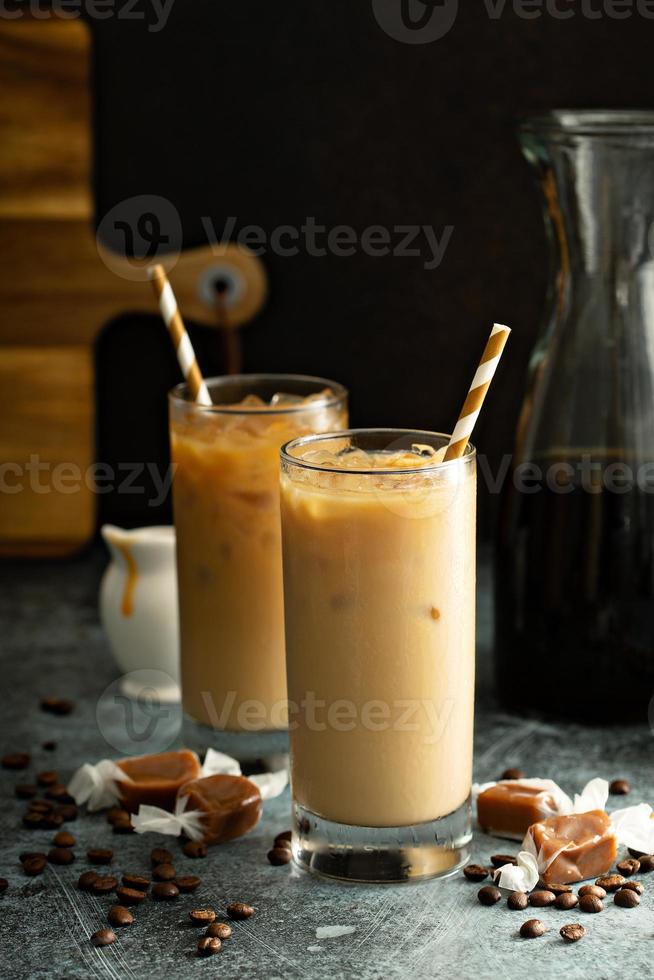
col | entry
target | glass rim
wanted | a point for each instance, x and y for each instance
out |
(285, 456)
(178, 394)
(590, 122)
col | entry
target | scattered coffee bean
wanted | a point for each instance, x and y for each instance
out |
(130, 896)
(592, 890)
(68, 811)
(59, 794)
(49, 746)
(284, 845)
(209, 945)
(160, 856)
(103, 937)
(635, 886)
(489, 895)
(60, 855)
(532, 928)
(25, 791)
(86, 880)
(572, 933)
(219, 930)
(117, 813)
(34, 866)
(26, 855)
(164, 891)
(513, 774)
(51, 821)
(103, 884)
(619, 787)
(279, 855)
(100, 855)
(517, 901)
(239, 910)
(634, 853)
(32, 820)
(195, 849)
(566, 900)
(164, 872)
(63, 839)
(629, 867)
(202, 917)
(646, 863)
(542, 898)
(16, 760)
(49, 778)
(557, 888)
(283, 838)
(475, 872)
(57, 706)
(188, 883)
(590, 903)
(140, 882)
(610, 883)
(626, 898)
(118, 915)
(41, 806)
(4, 885)
(499, 860)
(123, 827)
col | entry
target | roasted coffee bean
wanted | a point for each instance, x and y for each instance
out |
(34, 866)
(202, 917)
(49, 778)
(238, 910)
(634, 853)
(629, 867)
(63, 839)
(160, 856)
(51, 821)
(25, 791)
(130, 896)
(208, 946)
(489, 895)
(60, 855)
(279, 856)
(556, 887)
(646, 863)
(164, 872)
(59, 794)
(4, 885)
(41, 806)
(572, 933)
(140, 882)
(86, 880)
(475, 872)
(626, 898)
(513, 774)
(499, 860)
(619, 787)
(219, 930)
(67, 812)
(32, 820)
(118, 915)
(100, 855)
(532, 928)
(188, 883)
(123, 827)
(635, 886)
(517, 901)
(57, 706)
(610, 883)
(195, 849)
(284, 844)
(590, 903)
(117, 813)
(26, 855)
(284, 837)
(49, 746)
(566, 900)
(103, 937)
(103, 884)
(592, 890)
(16, 760)
(164, 891)
(542, 898)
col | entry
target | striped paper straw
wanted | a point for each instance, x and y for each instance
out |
(477, 392)
(173, 320)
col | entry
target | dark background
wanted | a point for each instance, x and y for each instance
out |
(272, 112)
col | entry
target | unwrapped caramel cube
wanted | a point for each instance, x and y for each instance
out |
(509, 808)
(573, 848)
(231, 805)
(155, 779)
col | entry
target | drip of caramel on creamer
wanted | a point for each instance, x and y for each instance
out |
(127, 605)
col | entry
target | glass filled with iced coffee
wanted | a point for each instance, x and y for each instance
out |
(226, 510)
(378, 540)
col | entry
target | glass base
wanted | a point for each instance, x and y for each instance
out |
(249, 747)
(377, 855)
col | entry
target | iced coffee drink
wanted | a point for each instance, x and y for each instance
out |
(226, 507)
(379, 577)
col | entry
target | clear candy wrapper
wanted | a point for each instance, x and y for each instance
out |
(97, 785)
(152, 819)
(522, 877)
(270, 784)
(634, 827)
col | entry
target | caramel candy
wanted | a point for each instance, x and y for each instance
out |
(232, 805)
(509, 808)
(575, 847)
(156, 779)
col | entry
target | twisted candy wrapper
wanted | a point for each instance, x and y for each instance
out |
(152, 819)
(270, 784)
(96, 785)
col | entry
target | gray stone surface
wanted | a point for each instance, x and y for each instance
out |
(51, 643)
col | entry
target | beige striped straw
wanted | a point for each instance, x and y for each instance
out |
(173, 320)
(480, 385)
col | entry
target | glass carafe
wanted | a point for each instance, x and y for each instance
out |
(575, 556)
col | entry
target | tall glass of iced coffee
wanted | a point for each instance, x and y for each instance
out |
(226, 508)
(379, 578)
